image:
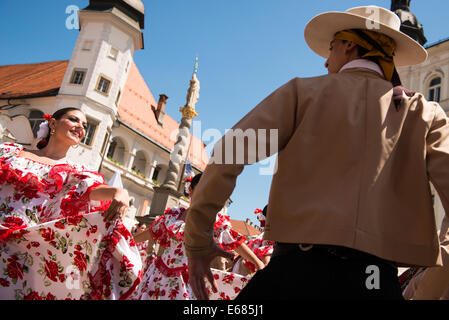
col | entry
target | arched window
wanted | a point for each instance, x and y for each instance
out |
(435, 89)
(116, 151)
(36, 118)
(140, 163)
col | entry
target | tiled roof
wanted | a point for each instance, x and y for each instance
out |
(135, 109)
(32, 80)
(244, 229)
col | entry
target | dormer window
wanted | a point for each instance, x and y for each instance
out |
(435, 90)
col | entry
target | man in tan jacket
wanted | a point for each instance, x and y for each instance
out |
(350, 201)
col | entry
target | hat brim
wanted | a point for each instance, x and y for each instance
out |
(320, 31)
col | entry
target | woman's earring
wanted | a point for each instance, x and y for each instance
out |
(52, 132)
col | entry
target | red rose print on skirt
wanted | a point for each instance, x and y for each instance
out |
(48, 234)
(4, 282)
(80, 260)
(51, 270)
(14, 269)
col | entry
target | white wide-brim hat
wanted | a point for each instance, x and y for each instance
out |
(320, 31)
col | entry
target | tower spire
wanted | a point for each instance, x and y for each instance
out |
(409, 23)
(195, 67)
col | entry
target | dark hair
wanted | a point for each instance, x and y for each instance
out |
(264, 211)
(195, 180)
(398, 89)
(57, 116)
(362, 51)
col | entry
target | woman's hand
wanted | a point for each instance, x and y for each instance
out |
(119, 205)
(259, 265)
(118, 196)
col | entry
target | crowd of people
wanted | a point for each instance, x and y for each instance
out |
(356, 153)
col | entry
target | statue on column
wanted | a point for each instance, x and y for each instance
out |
(193, 93)
(409, 23)
(178, 153)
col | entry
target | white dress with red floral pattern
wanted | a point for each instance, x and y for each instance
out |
(147, 259)
(167, 276)
(261, 248)
(54, 241)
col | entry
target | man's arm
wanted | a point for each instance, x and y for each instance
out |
(278, 112)
(433, 282)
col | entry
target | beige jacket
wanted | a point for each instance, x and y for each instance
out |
(432, 283)
(352, 170)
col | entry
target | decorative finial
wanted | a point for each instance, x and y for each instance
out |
(195, 68)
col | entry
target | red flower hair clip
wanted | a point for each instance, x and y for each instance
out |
(47, 117)
(187, 185)
(260, 217)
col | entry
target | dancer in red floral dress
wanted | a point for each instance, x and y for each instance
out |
(167, 277)
(263, 249)
(146, 249)
(60, 234)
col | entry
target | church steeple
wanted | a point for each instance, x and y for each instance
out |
(409, 23)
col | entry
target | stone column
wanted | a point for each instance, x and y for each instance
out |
(167, 195)
(178, 154)
(130, 160)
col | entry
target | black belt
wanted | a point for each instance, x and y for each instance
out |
(343, 253)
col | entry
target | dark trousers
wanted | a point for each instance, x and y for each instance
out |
(323, 273)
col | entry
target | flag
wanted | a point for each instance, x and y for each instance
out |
(188, 171)
(188, 175)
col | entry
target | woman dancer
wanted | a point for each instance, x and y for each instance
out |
(263, 249)
(146, 248)
(60, 232)
(167, 277)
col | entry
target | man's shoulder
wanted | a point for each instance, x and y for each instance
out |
(314, 83)
(316, 79)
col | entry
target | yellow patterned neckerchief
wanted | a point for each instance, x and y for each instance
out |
(378, 45)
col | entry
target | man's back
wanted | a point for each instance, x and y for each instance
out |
(351, 167)
(353, 172)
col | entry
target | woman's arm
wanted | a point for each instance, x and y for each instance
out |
(144, 236)
(118, 196)
(266, 259)
(249, 255)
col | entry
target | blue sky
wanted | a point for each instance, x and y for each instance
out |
(246, 49)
